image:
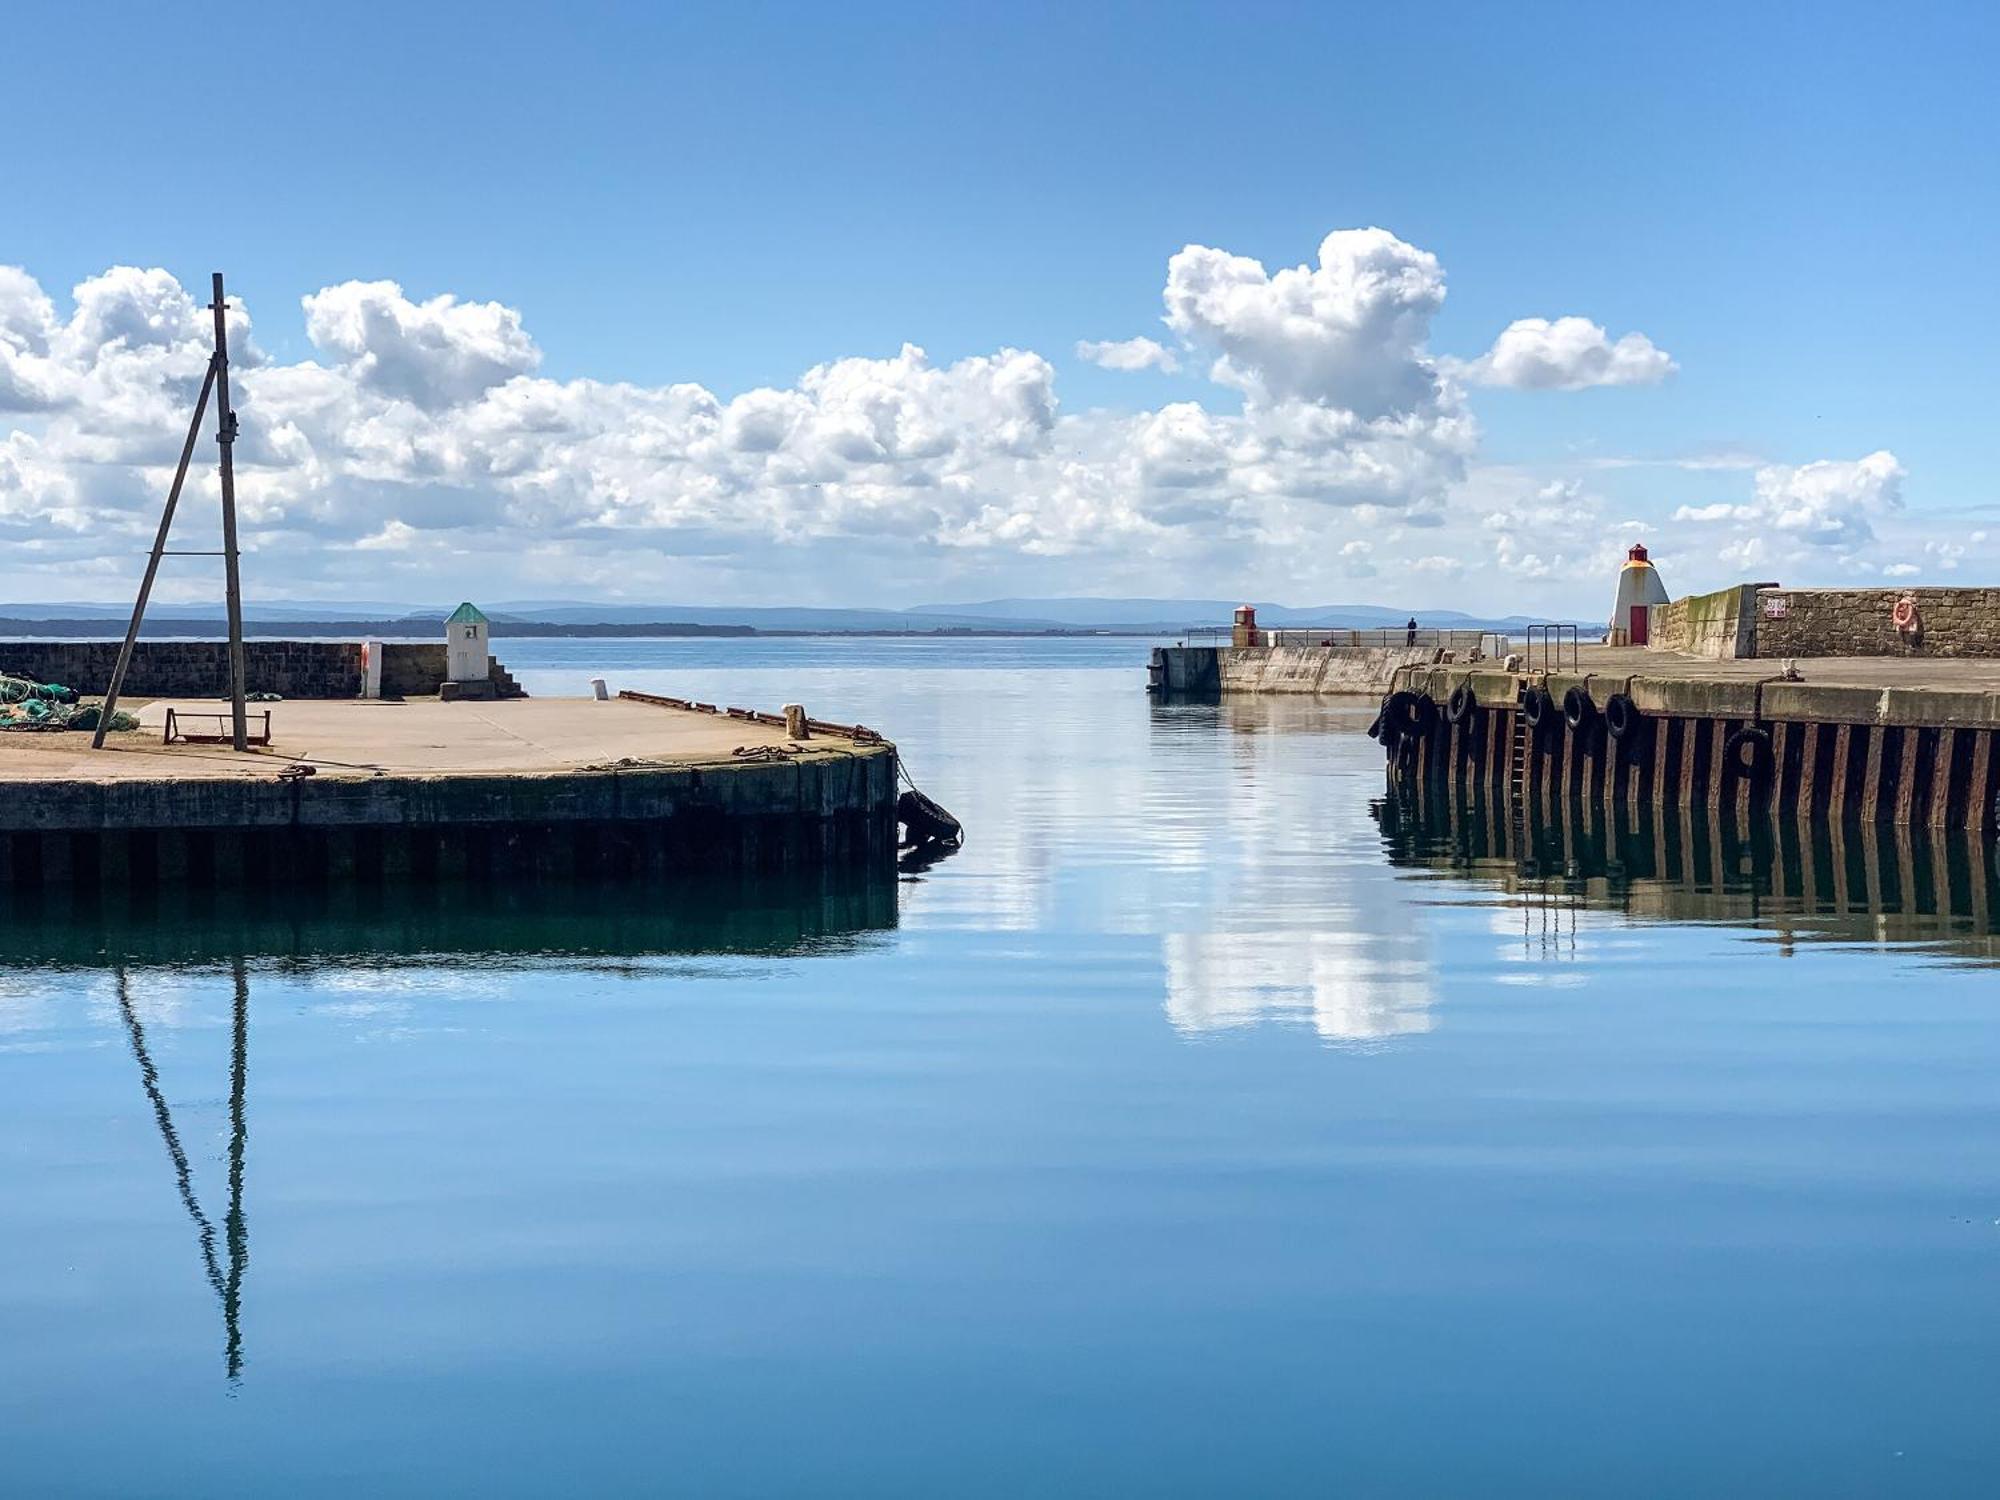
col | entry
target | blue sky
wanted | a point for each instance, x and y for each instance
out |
(1795, 204)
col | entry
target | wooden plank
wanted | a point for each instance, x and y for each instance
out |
(1814, 736)
(1837, 798)
(1978, 811)
(1907, 756)
(1695, 765)
(1871, 778)
(1946, 777)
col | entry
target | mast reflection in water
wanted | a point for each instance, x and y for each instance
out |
(1819, 879)
(159, 945)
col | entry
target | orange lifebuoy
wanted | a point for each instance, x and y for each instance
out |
(1905, 614)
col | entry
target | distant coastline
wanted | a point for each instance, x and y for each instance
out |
(347, 630)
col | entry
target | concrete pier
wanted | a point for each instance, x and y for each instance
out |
(1327, 671)
(1880, 739)
(424, 789)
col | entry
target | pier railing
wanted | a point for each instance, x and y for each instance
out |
(1465, 643)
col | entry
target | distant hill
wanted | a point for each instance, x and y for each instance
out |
(1153, 615)
(578, 617)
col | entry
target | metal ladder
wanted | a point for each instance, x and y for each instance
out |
(1517, 770)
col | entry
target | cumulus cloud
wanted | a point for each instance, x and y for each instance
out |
(1568, 354)
(1129, 354)
(432, 354)
(420, 443)
(29, 379)
(1349, 333)
(1832, 503)
(1814, 518)
(421, 430)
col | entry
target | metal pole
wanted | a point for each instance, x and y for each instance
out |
(225, 436)
(152, 564)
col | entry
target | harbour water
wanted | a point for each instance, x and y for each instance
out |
(1206, 1125)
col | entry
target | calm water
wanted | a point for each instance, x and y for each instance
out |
(1204, 1127)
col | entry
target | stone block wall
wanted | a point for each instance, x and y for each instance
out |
(200, 669)
(1857, 622)
(192, 669)
(1721, 625)
(412, 669)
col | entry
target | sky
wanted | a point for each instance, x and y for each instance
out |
(1436, 307)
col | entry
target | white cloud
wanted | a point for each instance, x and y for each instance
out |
(1568, 354)
(1831, 503)
(422, 433)
(1812, 518)
(29, 379)
(433, 354)
(1348, 334)
(1129, 354)
(419, 442)
(1722, 510)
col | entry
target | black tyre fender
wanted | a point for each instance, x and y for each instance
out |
(1406, 757)
(1536, 705)
(1579, 712)
(1461, 705)
(1397, 711)
(1747, 752)
(1424, 716)
(1622, 717)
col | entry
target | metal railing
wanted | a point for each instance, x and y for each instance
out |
(1473, 643)
(1552, 639)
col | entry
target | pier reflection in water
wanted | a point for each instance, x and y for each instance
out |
(1819, 878)
(170, 954)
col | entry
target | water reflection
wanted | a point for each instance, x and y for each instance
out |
(768, 914)
(227, 1283)
(1305, 924)
(1349, 986)
(1822, 879)
(159, 951)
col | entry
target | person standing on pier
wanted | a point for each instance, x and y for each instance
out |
(1411, 638)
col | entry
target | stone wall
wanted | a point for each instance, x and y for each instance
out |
(200, 669)
(192, 669)
(411, 669)
(1856, 622)
(1721, 625)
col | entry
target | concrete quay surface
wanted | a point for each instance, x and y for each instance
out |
(423, 787)
(417, 737)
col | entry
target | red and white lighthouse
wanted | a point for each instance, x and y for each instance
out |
(1639, 589)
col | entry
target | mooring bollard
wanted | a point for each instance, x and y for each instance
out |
(795, 722)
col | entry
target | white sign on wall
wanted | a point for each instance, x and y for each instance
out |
(1777, 607)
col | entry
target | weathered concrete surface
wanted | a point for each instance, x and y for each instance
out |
(359, 738)
(1326, 671)
(1185, 670)
(572, 782)
(1722, 625)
